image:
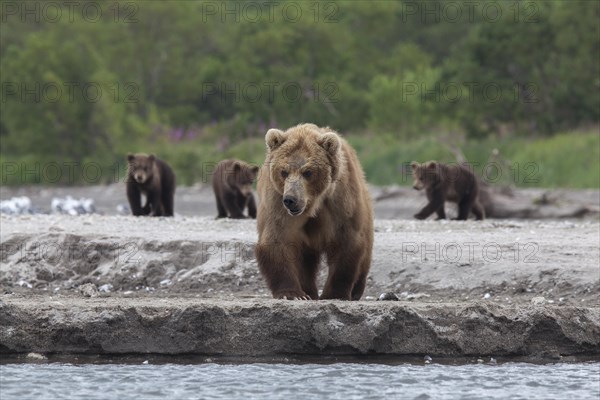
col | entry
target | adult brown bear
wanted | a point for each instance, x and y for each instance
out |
(232, 184)
(447, 182)
(153, 178)
(314, 201)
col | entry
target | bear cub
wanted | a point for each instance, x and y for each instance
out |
(153, 178)
(314, 204)
(232, 184)
(447, 182)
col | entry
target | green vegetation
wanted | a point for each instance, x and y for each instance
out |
(196, 82)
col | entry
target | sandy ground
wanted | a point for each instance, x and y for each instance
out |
(499, 261)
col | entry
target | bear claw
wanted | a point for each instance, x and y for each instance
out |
(293, 296)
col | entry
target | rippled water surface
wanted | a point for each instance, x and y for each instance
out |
(299, 381)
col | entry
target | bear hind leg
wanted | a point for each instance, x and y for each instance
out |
(233, 207)
(464, 208)
(478, 210)
(168, 203)
(441, 213)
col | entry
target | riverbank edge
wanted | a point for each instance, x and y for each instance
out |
(264, 328)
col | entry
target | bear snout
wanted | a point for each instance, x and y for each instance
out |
(290, 202)
(417, 185)
(139, 178)
(293, 206)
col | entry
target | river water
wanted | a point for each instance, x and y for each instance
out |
(25, 381)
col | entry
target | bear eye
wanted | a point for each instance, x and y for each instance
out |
(307, 174)
(284, 174)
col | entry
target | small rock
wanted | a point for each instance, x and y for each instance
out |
(493, 360)
(487, 296)
(106, 288)
(369, 298)
(88, 290)
(36, 356)
(145, 362)
(427, 358)
(538, 300)
(480, 361)
(24, 283)
(388, 296)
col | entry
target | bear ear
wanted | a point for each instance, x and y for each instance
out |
(254, 169)
(431, 164)
(130, 157)
(274, 138)
(151, 157)
(414, 165)
(237, 167)
(330, 142)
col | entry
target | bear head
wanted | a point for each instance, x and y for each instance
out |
(425, 174)
(240, 176)
(141, 167)
(304, 164)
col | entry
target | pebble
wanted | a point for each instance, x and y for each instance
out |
(24, 283)
(427, 358)
(145, 362)
(487, 296)
(538, 300)
(106, 288)
(479, 361)
(388, 296)
(88, 290)
(493, 360)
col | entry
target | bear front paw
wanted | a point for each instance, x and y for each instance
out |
(291, 295)
(419, 216)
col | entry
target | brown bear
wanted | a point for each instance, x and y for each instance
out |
(232, 184)
(153, 178)
(445, 182)
(314, 202)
